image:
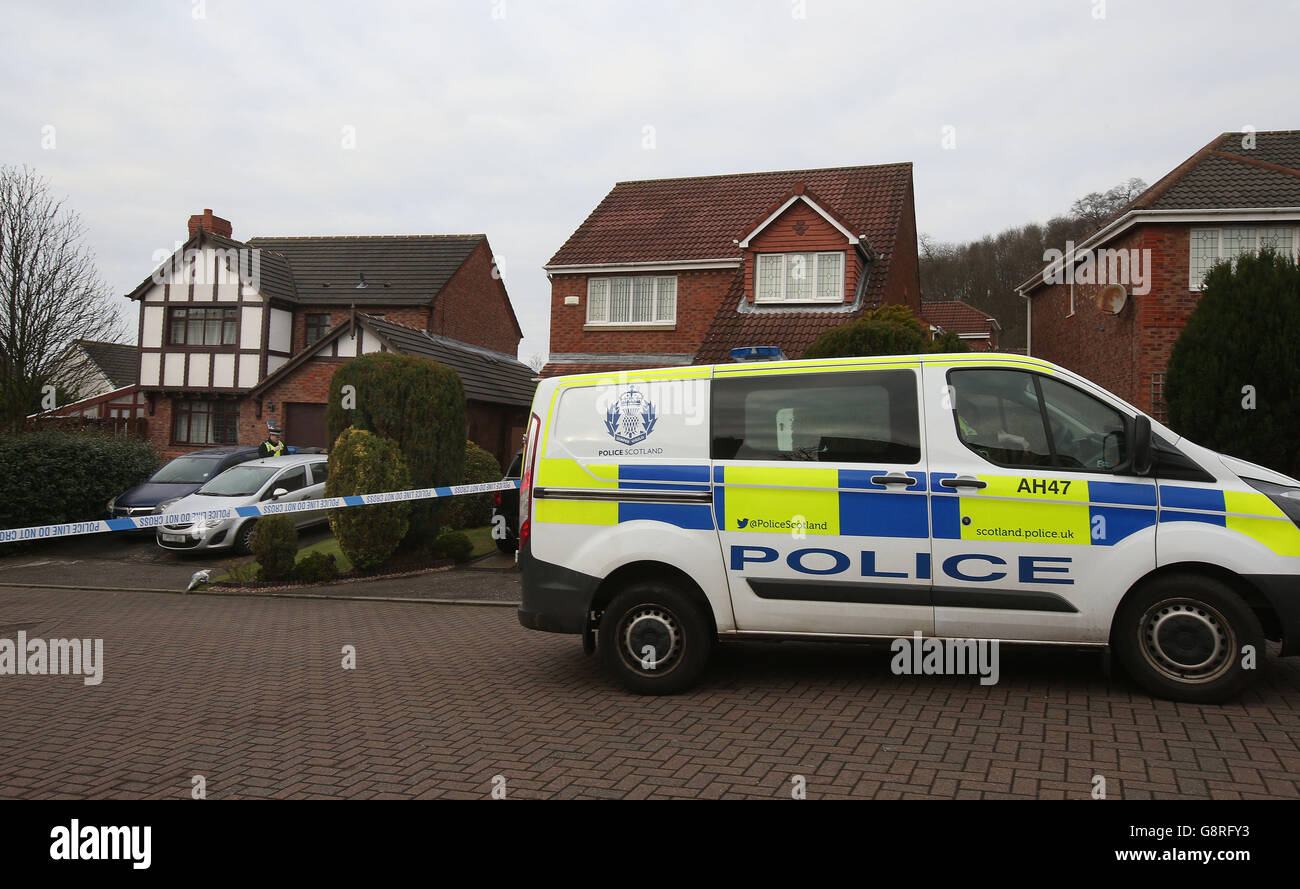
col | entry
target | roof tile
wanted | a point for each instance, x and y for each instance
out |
(700, 217)
(956, 316)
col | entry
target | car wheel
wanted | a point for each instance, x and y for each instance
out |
(1183, 637)
(244, 538)
(655, 639)
(509, 545)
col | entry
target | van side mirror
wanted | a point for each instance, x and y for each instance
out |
(1141, 444)
(278, 493)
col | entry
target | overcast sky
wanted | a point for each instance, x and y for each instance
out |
(514, 117)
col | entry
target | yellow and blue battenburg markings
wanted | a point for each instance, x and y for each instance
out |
(667, 479)
(827, 501)
(1246, 512)
(1019, 509)
(823, 501)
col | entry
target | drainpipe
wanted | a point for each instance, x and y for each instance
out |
(1029, 323)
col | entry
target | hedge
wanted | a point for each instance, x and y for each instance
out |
(53, 476)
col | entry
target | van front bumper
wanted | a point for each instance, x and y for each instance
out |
(554, 599)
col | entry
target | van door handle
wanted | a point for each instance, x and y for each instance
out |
(962, 482)
(892, 479)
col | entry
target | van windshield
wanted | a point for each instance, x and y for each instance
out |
(187, 471)
(241, 481)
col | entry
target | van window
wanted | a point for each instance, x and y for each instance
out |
(850, 417)
(1086, 434)
(1005, 417)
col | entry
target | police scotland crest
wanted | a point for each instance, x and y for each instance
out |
(631, 418)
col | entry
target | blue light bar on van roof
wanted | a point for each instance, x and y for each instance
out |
(758, 353)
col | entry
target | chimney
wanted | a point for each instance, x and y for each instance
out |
(209, 223)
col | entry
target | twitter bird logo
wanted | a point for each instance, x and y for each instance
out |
(740, 523)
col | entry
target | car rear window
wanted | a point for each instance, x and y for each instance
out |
(187, 471)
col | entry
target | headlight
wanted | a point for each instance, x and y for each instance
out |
(1286, 497)
(209, 524)
(162, 507)
(111, 504)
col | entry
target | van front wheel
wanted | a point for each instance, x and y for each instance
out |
(1186, 637)
(655, 639)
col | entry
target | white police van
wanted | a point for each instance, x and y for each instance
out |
(969, 496)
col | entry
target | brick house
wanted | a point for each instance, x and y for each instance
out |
(100, 380)
(977, 328)
(1238, 194)
(680, 271)
(231, 333)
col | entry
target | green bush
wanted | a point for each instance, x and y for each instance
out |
(364, 463)
(275, 545)
(51, 476)
(474, 510)
(1241, 334)
(453, 545)
(948, 342)
(416, 403)
(316, 567)
(888, 330)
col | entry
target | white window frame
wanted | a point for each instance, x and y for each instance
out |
(1193, 284)
(662, 314)
(814, 274)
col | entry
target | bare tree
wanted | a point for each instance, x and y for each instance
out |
(536, 361)
(50, 293)
(1095, 208)
(984, 273)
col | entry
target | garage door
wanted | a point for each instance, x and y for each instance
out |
(304, 425)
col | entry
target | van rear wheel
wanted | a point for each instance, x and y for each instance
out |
(655, 639)
(1182, 637)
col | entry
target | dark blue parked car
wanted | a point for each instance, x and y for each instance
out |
(176, 479)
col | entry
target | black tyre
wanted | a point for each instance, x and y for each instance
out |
(509, 545)
(1182, 637)
(244, 538)
(655, 639)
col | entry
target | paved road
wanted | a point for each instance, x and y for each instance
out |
(250, 694)
(135, 562)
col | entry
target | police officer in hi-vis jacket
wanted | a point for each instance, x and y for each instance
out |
(273, 446)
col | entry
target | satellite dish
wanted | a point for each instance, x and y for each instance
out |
(1111, 299)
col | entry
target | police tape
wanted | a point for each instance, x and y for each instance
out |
(174, 519)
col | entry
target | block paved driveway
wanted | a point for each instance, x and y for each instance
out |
(250, 694)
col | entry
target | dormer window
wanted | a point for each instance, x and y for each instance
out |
(799, 277)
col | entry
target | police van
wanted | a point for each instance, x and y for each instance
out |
(960, 496)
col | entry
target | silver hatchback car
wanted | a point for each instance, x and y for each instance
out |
(273, 479)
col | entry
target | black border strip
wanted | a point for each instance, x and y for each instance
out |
(907, 594)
